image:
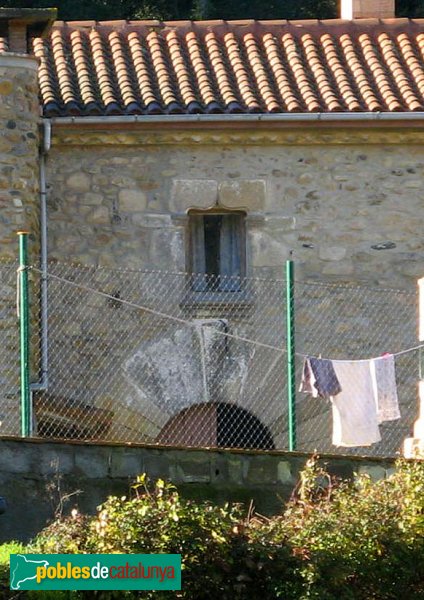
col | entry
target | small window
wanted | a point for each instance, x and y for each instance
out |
(217, 250)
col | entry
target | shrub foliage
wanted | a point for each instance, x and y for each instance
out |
(336, 540)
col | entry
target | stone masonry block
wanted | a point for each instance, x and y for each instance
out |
(284, 472)
(99, 216)
(92, 462)
(125, 463)
(14, 460)
(262, 469)
(91, 199)
(156, 464)
(56, 461)
(237, 469)
(78, 182)
(191, 467)
(266, 251)
(132, 200)
(332, 253)
(193, 193)
(375, 472)
(182, 474)
(245, 193)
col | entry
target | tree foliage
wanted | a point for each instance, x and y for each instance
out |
(71, 10)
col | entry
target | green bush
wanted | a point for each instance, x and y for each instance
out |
(361, 540)
(222, 556)
(5, 551)
(335, 540)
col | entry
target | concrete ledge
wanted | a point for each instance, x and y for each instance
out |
(34, 473)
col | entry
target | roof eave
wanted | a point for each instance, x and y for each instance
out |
(334, 117)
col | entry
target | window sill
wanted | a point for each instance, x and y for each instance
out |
(216, 300)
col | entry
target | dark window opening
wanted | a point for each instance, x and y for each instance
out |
(216, 425)
(212, 226)
(217, 250)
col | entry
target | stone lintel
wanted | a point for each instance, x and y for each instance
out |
(189, 194)
(249, 194)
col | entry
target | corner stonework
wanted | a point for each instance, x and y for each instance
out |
(19, 140)
(19, 179)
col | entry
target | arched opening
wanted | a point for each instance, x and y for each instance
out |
(216, 425)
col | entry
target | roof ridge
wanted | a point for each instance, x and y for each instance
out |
(396, 21)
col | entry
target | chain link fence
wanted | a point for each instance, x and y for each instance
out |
(167, 358)
(10, 416)
(172, 358)
(352, 323)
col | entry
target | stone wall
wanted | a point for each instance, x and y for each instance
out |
(19, 209)
(34, 475)
(19, 139)
(347, 210)
(347, 204)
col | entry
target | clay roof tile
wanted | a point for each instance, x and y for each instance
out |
(134, 67)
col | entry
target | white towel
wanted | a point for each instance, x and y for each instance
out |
(384, 385)
(355, 421)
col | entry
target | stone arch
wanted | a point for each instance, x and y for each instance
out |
(218, 424)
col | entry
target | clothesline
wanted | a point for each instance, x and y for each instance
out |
(400, 353)
(363, 395)
(222, 333)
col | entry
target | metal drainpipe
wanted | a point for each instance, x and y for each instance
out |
(247, 118)
(42, 385)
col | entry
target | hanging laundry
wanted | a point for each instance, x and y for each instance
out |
(319, 378)
(355, 421)
(363, 394)
(385, 390)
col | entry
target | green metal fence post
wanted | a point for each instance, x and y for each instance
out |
(291, 373)
(24, 334)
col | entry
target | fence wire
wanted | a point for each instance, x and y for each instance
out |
(10, 417)
(172, 358)
(352, 323)
(166, 358)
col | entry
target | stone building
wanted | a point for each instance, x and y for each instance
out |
(213, 147)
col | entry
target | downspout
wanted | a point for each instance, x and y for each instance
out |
(42, 385)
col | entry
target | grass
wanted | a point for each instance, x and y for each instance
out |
(10, 548)
(17, 548)
(5, 551)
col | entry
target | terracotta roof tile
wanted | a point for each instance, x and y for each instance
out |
(149, 67)
(84, 71)
(260, 74)
(106, 80)
(226, 96)
(415, 67)
(207, 96)
(289, 98)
